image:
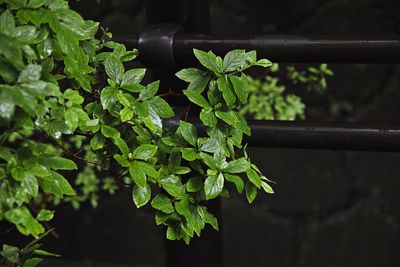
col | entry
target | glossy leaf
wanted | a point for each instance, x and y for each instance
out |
(114, 69)
(141, 195)
(237, 166)
(163, 203)
(137, 173)
(144, 152)
(188, 132)
(213, 185)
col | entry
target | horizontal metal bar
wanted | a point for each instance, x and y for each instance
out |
(327, 136)
(286, 48)
(296, 49)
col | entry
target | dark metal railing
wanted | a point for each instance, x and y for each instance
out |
(277, 48)
(330, 136)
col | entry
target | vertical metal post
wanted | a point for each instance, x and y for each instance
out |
(194, 16)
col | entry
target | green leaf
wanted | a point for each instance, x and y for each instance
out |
(211, 145)
(97, 142)
(209, 160)
(7, 23)
(29, 35)
(163, 203)
(133, 87)
(59, 163)
(126, 114)
(11, 253)
(213, 185)
(194, 184)
(226, 90)
(121, 144)
(45, 215)
(208, 117)
(32, 262)
(161, 107)
(197, 98)
(36, 3)
(56, 184)
(110, 132)
(75, 65)
(161, 217)
(5, 153)
(24, 221)
(18, 173)
(114, 69)
(191, 214)
(45, 253)
(153, 122)
(228, 117)
(173, 185)
(10, 48)
(208, 60)
(267, 188)
(243, 124)
(174, 159)
(7, 72)
(30, 185)
(144, 152)
(73, 115)
(251, 58)
(137, 174)
(122, 160)
(189, 154)
(46, 48)
(172, 233)
(263, 63)
(149, 91)
(181, 170)
(57, 4)
(237, 166)
(108, 97)
(133, 76)
(148, 169)
(240, 87)
(190, 75)
(235, 59)
(126, 100)
(251, 192)
(254, 177)
(208, 217)
(73, 96)
(141, 195)
(42, 88)
(236, 180)
(30, 73)
(188, 132)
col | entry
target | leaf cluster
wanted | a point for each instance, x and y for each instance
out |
(75, 119)
(269, 98)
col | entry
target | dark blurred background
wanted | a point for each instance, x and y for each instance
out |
(330, 208)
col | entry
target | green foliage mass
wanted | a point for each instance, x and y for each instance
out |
(74, 120)
(269, 99)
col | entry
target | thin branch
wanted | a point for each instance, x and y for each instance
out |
(187, 111)
(170, 92)
(69, 153)
(79, 151)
